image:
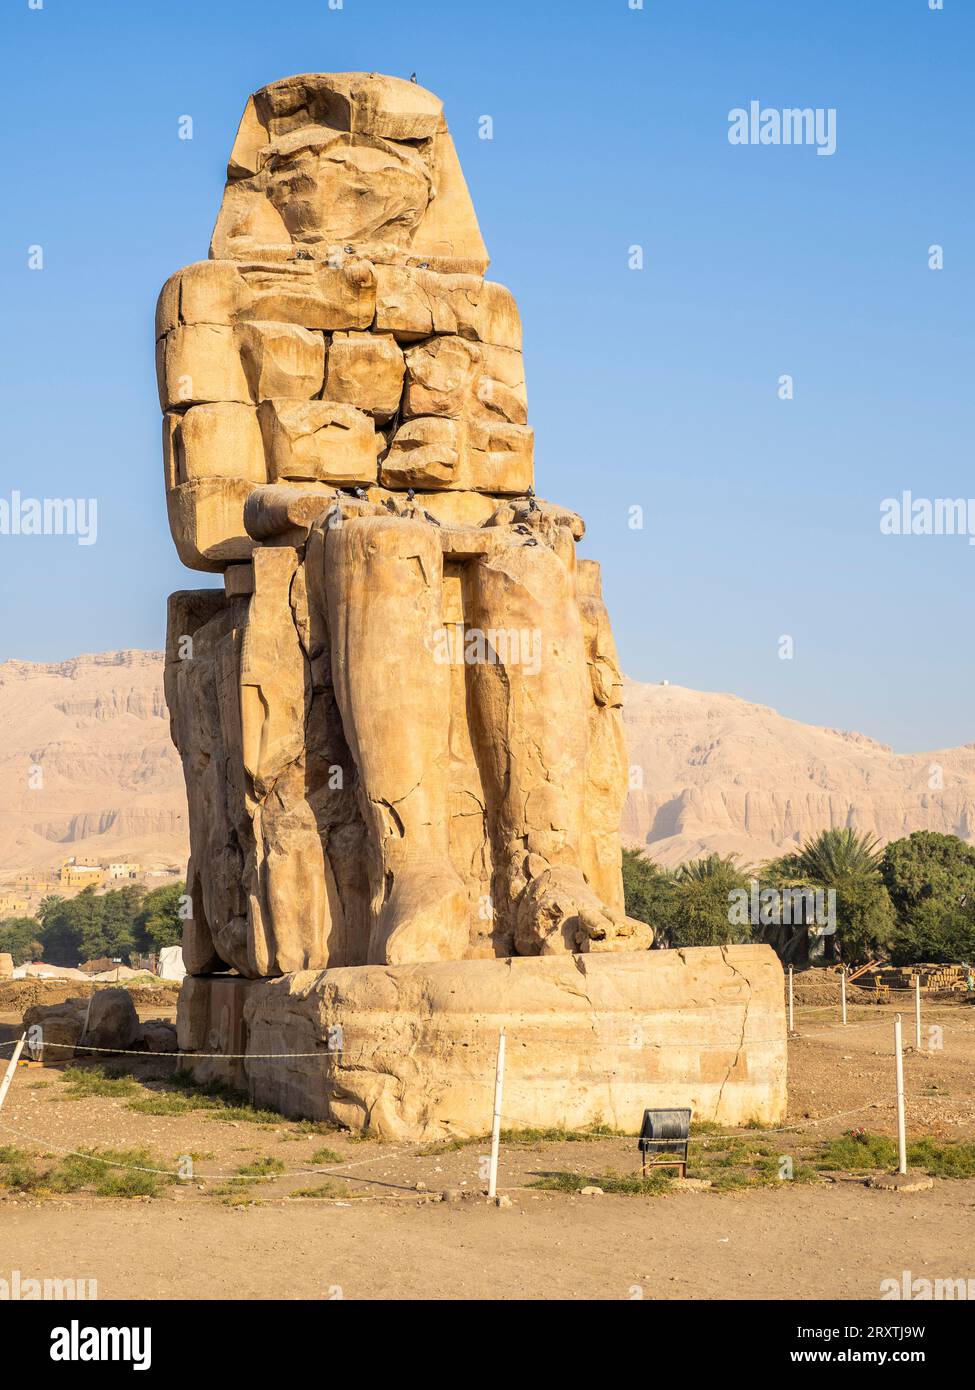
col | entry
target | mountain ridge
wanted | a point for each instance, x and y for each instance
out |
(87, 769)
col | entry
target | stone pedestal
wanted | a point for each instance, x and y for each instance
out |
(408, 1052)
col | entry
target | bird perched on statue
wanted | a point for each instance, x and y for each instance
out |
(412, 76)
(531, 542)
(410, 495)
(532, 505)
(361, 493)
(522, 529)
(431, 519)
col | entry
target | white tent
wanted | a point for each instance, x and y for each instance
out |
(171, 965)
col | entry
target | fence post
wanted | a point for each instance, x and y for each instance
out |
(11, 1068)
(899, 1067)
(917, 1011)
(792, 1012)
(843, 991)
(496, 1123)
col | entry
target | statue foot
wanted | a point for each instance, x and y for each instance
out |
(425, 918)
(559, 912)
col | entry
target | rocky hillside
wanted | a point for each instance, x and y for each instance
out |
(722, 774)
(86, 763)
(87, 769)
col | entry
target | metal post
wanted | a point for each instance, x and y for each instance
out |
(899, 1064)
(496, 1125)
(917, 1012)
(792, 1012)
(11, 1068)
(843, 991)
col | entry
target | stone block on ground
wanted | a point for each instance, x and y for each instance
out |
(156, 1035)
(112, 1020)
(59, 1029)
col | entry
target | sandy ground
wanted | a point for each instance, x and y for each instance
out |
(836, 1243)
(384, 1232)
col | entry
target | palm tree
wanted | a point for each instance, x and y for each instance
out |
(837, 856)
(49, 904)
(712, 866)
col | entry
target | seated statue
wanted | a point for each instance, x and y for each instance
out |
(400, 719)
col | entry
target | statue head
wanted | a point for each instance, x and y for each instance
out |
(327, 160)
(341, 188)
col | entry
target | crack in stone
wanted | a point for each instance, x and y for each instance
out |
(744, 1025)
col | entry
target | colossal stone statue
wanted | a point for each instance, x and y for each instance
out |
(429, 762)
(399, 719)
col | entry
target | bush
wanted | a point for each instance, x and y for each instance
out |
(935, 933)
(702, 905)
(931, 881)
(18, 936)
(865, 920)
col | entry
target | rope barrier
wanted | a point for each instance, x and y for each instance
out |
(336, 1170)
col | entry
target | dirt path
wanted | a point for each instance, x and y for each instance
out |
(837, 1242)
(383, 1232)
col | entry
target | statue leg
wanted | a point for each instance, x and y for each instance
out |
(383, 580)
(533, 698)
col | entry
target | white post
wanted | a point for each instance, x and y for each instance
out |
(917, 1012)
(899, 1061)
(843, 991)
(792, 1012)
(496, 1125)
(11, 1068)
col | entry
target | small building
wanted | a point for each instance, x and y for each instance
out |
(124, 870)
(77, 875)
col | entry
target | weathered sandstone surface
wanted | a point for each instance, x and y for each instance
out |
(408, 1051)
(400, 718)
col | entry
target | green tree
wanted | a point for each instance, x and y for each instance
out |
(114, 933)
(63, 922)
(90, 925)
(785, 872)
(865, 919)
(648, 892)
(159, 923)
(934, 932)
(703, 900)
(19, 936)
(836, 856)
(848, 863)
(929, 869)
(931, 881)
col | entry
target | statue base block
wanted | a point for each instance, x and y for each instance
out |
(408, 1052)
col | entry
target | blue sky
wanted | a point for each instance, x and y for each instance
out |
(656, 388)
